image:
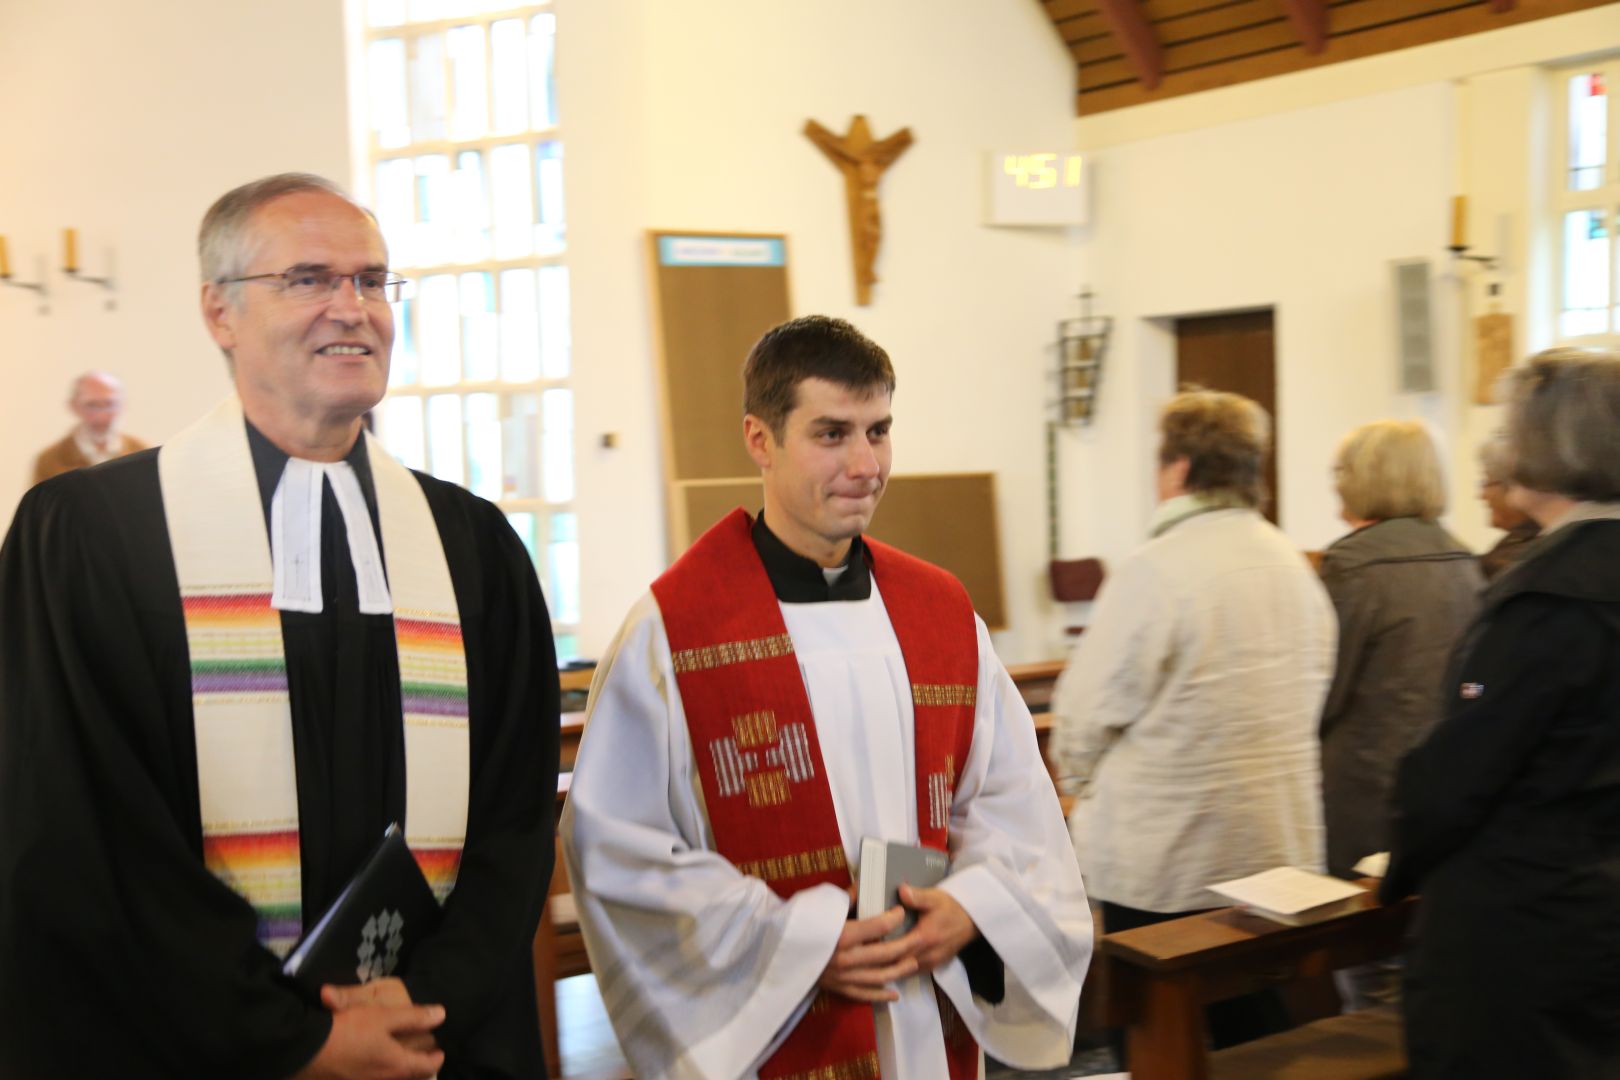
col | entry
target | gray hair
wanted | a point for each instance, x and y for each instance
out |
(1496, 459)
(1563, 423)
(223, 241)
(1390, 469)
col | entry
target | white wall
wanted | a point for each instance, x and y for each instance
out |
(689, 116)
(1292, 193)
(1296, 193)
(125, 121)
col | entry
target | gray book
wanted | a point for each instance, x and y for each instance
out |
(885, 865)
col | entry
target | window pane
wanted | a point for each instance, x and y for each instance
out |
(562, 567)
(520, 330)
(514, 201)
(468, 231)
(444, 437)
(484, 445)
(557, 444)
(385, 12)
(439, 314)
(427, 89)
(396, 206)
(401, 424)
(521, 430)
(385, 61)
(1588, 130)
(435, 212)
(471, 118)
(405, 367)
(510, 76)
(480, 333)
(542, 69)
(527, 526)
(549, 228)
(1586, 274)
(423, 10)
(567, 647)
(556, 340)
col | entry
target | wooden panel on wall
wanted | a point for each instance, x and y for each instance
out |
(713, 296)
(1213, 43)
(947, 518)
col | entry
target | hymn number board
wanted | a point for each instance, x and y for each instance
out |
(1042, 188)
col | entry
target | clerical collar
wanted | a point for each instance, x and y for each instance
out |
(292, 491)
(798, 580)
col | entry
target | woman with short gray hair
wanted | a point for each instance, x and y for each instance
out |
(1508, 815)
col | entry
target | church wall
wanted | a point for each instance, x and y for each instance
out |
(1293, 192)
(1297, 193)
(125, 121)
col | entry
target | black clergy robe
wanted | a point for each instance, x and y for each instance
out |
(120, 954)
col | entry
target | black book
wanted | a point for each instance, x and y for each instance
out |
(371, 928)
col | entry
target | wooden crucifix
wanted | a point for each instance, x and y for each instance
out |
(862, 162)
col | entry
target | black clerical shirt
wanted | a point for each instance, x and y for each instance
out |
(798, 580)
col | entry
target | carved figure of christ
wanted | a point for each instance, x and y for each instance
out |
(862, 161)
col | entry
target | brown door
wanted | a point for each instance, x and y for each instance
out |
(1235, 353)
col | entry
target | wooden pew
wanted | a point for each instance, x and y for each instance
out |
(1160, 978)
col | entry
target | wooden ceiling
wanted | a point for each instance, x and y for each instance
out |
(1132, 51)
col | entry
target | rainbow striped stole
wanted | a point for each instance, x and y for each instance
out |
(246, 771)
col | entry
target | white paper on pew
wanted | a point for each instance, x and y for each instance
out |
(1286, 892)
(1376, 865)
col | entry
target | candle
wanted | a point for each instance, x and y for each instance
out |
(70, 250)
(5, 259)
(1459, 221)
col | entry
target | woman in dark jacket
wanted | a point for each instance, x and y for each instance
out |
(1508, 815)
(1404, 591)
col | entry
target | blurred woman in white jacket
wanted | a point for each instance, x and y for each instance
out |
(1186, 720)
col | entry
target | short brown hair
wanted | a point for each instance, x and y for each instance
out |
(1224, 437)
(1563, 424)
(811, 347)
(1390, 469)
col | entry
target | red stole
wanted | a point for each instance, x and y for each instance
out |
(754, 740)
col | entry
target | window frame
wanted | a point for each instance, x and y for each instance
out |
(1604, 198)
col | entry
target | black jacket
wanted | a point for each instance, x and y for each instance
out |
(1508, 822)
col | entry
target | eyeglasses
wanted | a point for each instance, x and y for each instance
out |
(305, 284)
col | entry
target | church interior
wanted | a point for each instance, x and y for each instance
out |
(1051, 213)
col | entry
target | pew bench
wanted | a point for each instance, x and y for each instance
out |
(1160, 977)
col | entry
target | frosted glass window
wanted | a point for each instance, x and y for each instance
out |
(543, 69)
(527, 526)
(567, 647)
(470, 120)
(1586, 274)
(385, 65)
(468, 207)
(562, 566)
(396, 206)
(405, 368)
(439, 316)
(401, 423)
(1588, 130)
(556, 339)
(385, 12)
(509, 76)
(513, 199)
(435, 212)
(444, 437)
(557, 444)
(521, 434)
(484, 477)
(429, 10)
(549, 229)
(428, 89)
(480, 332)
(520, 330)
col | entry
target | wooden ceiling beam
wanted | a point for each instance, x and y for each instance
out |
(1501, 7)
(1136, 39)
(1310, 22)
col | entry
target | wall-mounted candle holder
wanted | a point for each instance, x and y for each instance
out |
(70, 266)
(33, 286)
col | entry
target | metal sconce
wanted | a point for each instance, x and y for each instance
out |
(70, 266)
(1081, 345)
(1459, 234)
(35, 286)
